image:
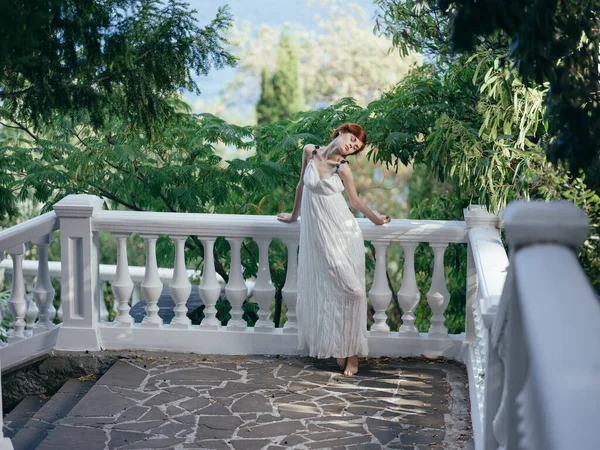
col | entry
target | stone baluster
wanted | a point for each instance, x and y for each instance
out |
(122, 286)
(236, 289)
(135, 297)
(17, 302)
(263, 291)
(29, 284)
(152, 285)
(380, 294)
(103, 313)
(409, 295)
(290, 289)
(438, 295)
(32, 309)
(180, 287)
(2, 313)
(43, 293)
(209, 288)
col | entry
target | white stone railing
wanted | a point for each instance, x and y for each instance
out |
(29, 338)
(487, 263)
(518, 341)
(543, 367)
(82, 329)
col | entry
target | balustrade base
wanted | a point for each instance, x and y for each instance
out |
(251, 341)
(179, 326)
(379, 332)
(154, 325)
(6, 444)
(71, 338)
(290, 330)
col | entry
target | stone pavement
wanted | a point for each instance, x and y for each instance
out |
(182, 401)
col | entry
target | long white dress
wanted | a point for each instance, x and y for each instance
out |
(332, 304)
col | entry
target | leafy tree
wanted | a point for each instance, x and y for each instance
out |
(339, 57)
(117, 59)
(555, 41)
(282, 95)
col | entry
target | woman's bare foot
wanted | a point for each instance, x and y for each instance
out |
(341, 362)
(351, 366)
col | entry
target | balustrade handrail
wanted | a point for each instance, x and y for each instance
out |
(29, 230)
(241, 226)
(491, 263)
(562, 384)
(108, 272)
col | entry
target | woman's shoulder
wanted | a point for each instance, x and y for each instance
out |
(309, 149)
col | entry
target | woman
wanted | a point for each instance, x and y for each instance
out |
(332, 303)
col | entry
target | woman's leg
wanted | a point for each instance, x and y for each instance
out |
(341, 362)
(351, 366)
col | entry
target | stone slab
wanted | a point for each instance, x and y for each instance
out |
(188, 401)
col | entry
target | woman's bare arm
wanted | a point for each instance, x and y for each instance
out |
(346, 176)
(286, 217)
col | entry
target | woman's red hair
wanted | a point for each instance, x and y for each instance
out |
(358, 131)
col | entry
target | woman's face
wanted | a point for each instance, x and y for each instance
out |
(349, 143)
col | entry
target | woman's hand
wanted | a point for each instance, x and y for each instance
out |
(286, 217)
(382, 220)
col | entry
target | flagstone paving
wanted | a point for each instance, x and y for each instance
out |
(182, 401)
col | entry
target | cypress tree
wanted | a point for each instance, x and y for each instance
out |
(266, 108)
(282, 95)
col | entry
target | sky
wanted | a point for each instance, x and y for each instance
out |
(270, 12)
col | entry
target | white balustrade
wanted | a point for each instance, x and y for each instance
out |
(180, 287)
(43, 293)
(17, 302)
(380, 294)
(289, 292)
(438, 295)
(236, 289)
(542, 390)
(209, 289)
(123, 285)
(263, 291)
(409, 295)
(152, 285)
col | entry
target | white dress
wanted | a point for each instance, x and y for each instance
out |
(332, 303)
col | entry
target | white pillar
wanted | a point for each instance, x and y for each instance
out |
(152, 285)
(409, 295)
(290, 288)
(209, 288)
(264, 291)
(180, 287)
(43, 293)
(380, 294)
(236, 289)
(78, 278)
(17, 303)
(438, 295)
(122, 286)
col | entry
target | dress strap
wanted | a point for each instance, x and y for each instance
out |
(337, 166)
